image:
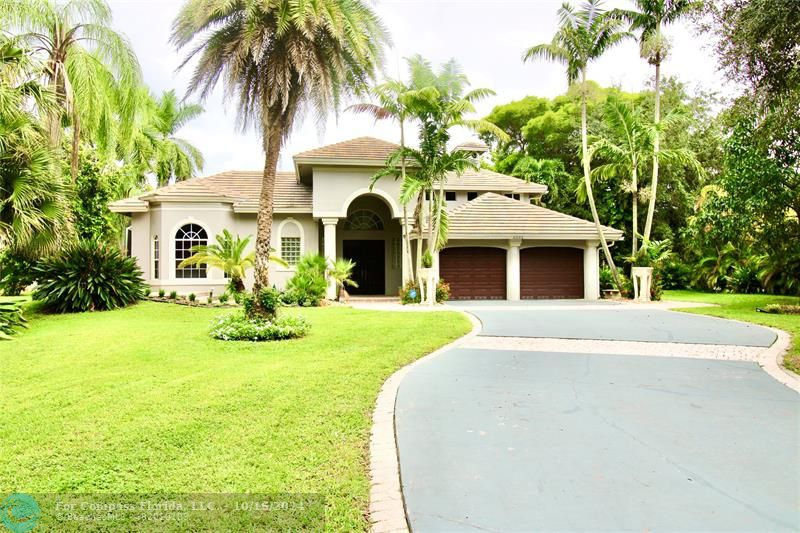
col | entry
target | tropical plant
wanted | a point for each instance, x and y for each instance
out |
(90, 68)
(583, 36)
(173, 295)
(341, 272)
(309, 284)
(229, 255)
(11, 319)
(238, 326)
(277, 58)
(15, 273)
(88, 276)
(648, 19)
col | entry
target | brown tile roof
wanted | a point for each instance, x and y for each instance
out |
(487, 180)
(494, 216)
(362, 148)
(241, 188)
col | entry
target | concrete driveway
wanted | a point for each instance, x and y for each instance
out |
(514, 440)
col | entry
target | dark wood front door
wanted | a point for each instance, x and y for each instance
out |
(474, 273)
(550, 272)
(369, 272)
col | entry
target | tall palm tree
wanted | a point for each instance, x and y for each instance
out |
(648, 19)
(582, 37)
(277, 58)
(228, 254)
(33, 204)
(87, 62)
(630, 146)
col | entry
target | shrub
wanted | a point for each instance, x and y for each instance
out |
(606, 278)
(676, 274)
(268, 298)
(309, 282)
(289, 297)
(442, 291)
(161, 293)
(88, 276)
(781, 309)
(223, 298)
(410, 294)
(16, 273)
(173, 295)
(427, 259)
(192, 297)
(10, 319)
(238, 327)
(743, 279)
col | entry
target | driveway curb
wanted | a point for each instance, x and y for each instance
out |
(387, 511)
(772, 360)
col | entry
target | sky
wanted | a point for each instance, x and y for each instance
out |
(486, 37)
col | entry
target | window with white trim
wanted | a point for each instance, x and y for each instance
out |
(156, 257)
(290, 250)
(188, 236)
(363, 220)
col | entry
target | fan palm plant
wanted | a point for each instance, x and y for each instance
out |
(648, 19)
(89, 67)
(583, 36)
(276, 58)
(629, 146)
(229, 255)
(341, 272)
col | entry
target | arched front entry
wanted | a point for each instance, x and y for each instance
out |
(551, 272)
(474, 273)
(370, 237)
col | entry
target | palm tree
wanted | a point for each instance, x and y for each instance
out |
(277, 58)
(175, 159)
(341, 272)
(648, 19)
(33, 203)
(582, 37)
(228, 254)
(89, 66)
(630, 145)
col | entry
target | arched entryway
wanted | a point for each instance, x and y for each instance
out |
(371, 238)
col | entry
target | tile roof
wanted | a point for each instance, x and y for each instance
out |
(494, 216)
(487, 180)
(361, 148)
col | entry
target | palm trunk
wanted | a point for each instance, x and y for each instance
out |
(651, 208)
(418, 216)
(635, 207)
(272, 148)
(76, 136)
(408, 262)
(588, 183)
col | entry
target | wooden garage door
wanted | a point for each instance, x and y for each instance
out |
(474, 273)
(551, 273)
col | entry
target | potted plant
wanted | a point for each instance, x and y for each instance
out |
(643, 263)
(427, 278)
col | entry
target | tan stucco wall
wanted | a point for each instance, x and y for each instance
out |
(333, 190)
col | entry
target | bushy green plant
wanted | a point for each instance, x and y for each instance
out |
(16, 273)
(192, 297)
(427, 259)
(223, 298)
(269, 300)
(442, 291)
(606, 278)
(309, 282)
(173, 295)
(743, 279)
(161, 293)
(289, 297)
(410, 294)
(238, 327)
(676, 274)
(88, 276)
(10, 319)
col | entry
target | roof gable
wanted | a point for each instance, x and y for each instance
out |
(358, 149)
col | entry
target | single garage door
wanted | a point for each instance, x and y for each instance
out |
(551, 273)
(474, 273)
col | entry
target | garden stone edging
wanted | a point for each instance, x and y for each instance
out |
(386, 505)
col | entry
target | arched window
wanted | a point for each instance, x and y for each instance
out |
(188, 236)
(363, 220)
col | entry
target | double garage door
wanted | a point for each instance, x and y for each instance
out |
(480, 273)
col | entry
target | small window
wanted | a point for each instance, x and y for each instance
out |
(427, 195)
(187, 237)
(290, 249)
(513, 196)
(397, 253)
(129, 241)
(450, 196)
(156, 257)
(471, 196)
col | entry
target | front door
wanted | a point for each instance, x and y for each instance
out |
(369, 271)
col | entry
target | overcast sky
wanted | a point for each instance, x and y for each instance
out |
(486, 37)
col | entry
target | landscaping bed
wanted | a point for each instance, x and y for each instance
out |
(143, 400)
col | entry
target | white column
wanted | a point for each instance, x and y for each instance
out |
(591, 272)
(329, 237)
(512, 270)
(405, 256)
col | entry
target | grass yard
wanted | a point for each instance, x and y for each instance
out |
(743, 307)
(142, 400)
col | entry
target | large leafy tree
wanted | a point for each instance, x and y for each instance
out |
(278, 57)
(89, 67)
(583, 36)
(648, 19)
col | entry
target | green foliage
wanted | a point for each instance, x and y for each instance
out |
(161, 293)
(239, 327)
(427, 259)
(173, 295)
(410, 294)
(782, 309)
(11, 319)
(606, 279)
(341, 272)
(88, 276)
(675, 274)
(192, 297)
(268, 299)
(308, 285)
(16, 273)
(223, 298)
(442, 291)
(96, 186)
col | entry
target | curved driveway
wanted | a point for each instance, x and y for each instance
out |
(499, 440)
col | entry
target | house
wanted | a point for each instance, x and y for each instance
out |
(501, 245)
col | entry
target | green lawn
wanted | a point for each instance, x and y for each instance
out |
(142, 400)
(743, 307)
